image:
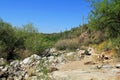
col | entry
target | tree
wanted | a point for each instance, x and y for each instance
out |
(105, 16)
(6, 39)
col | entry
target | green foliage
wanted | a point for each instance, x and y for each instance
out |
(116, 45)
(14, 42)
(32, 40)
(105, 16)
(7, 40)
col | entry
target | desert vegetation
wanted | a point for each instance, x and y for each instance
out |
(100, 35)
(103, 26)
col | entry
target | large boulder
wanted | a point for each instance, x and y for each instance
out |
(36, 57)
(27, 60)
(31, 59)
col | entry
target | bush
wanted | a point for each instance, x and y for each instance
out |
(70, 44)
(116, 46)
(7, 40)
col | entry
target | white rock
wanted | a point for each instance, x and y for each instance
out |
(52, 50)
(2, 61)
(51, 58)
(107, 66)
(36, 57)
(44, 58)
(5, 69)
(81, 52)
(60, 59)
(14, 63)
(70, 54)
(78, 49)
(26, 77)
(27, 60)
(1, 67)
(91, 50)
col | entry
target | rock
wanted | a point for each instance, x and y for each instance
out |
(70, 54)
(36, 57)
(5, 69)
(26, 76)
(91, 51)
(80, 52)
(44, 58)
(31, 59)
(52, 50)
(21, 70)
(27, 60)
(15, 63)
(78, 49)
(107, 66)
(2, 61)
(87, 52)
(1, 67)
(99, 66)
(60, 59)
(118, 66)
(51, 59)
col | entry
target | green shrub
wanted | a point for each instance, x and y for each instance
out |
(116, 46)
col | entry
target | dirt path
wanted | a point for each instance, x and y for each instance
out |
(85, 70)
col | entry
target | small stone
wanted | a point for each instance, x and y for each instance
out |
(1, 67)
(2, 61)
(26, 76)
(118, 66)
(70, 54)
(107, 66)
(52, 50)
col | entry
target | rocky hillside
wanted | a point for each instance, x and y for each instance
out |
(62, 65)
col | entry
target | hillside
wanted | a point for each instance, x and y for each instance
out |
(87, 52)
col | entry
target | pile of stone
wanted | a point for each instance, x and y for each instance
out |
(20, 70)
(30, 68)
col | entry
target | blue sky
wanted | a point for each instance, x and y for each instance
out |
(48, 16)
